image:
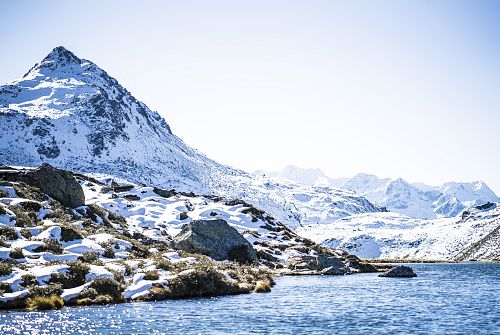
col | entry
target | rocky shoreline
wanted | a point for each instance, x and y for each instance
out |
(67, 239)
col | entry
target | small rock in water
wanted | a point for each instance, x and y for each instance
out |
(400, 271)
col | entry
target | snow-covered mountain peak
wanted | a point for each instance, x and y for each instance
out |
(472, 193)
(420, 200)
(364, 183)
(61, 56)
(400, 188)
(61, 63)
(306, 176)
(68, 112)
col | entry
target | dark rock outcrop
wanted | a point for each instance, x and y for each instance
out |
(356, 263)
(331, 265)
(327, 261)
(216, 239)
(58, 184)
(400, 271)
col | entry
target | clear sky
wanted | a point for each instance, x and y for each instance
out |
(397, 88)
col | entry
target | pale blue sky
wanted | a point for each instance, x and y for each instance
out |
(396, 88)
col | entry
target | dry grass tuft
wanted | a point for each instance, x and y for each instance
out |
(44, 303)
(262, 287)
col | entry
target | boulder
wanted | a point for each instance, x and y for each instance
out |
(332, 270)
(331, 265)
(400, 271)
(58, 184)
(327, 261)
(216, 239)
(365, 267)
(353, 259)
(321, 264)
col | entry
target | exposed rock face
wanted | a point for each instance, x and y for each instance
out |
(400, 271)
(216, 239)
(303, 263)
(332, 270)
(487, 248)
(58, 184)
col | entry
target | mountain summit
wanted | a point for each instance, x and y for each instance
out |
(59, 57)
(69, 112)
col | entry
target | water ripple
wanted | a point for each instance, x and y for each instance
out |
(444, 299)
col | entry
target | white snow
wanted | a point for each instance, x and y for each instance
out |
(71, 293)
(53, 232)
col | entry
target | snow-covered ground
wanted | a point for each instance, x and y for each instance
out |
(27, 226)
(160, 218)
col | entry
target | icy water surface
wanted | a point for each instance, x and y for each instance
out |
(444, 299)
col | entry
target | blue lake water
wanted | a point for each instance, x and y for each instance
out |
(443, 299)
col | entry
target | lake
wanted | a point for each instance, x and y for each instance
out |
(443, 299)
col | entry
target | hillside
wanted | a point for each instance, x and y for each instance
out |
(69, 112)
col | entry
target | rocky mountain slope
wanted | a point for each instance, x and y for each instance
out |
(133, 242)
(68, 112)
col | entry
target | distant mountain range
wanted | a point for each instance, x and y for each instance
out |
(397, 195)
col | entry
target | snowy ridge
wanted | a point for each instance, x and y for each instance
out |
(297, 204)
(470, 194)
